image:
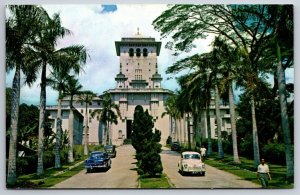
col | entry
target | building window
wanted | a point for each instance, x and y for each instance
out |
(131, 52)
(149, 63)
(145, 52)
(90, 119)
(90, 110)
(81, 110)
(138, 52)
(126, 63)
(127, 70)
(149, 70)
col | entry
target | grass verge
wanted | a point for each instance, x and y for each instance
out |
(247, 171)
(160, 181)
(50, 177)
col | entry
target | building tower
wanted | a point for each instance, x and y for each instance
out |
(139, 83)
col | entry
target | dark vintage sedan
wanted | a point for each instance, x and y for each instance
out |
(110, 150)
(98, 160)
(175, 146)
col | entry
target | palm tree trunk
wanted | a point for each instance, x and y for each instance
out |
(219, 122)
(42, 116)
(71, 139)
(184, 128)
(86, 131)
(15, 100)
(254, 134)
(58, 135)
(107, 133)
(188, 131)
(284, 118)
(209, 143)
(233, 125)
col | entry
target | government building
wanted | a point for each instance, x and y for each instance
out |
(138, 82)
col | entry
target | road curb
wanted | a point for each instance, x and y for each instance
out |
(169, 181)
(69, 168)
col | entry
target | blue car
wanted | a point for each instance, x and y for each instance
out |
(97, 160)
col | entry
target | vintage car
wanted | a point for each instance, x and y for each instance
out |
(110, 150)
(175, 146)
(190, 162)
(98, 160)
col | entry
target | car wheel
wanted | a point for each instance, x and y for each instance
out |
(203, 173)
(88, 170)
(182, 172)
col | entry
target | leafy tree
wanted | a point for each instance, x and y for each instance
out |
(241, 25)
(146, 143)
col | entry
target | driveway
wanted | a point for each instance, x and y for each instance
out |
(120, 175)
(214, 178)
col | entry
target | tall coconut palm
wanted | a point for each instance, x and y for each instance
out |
(73, 88)
(108, 114)
(173, 112)
(43, 54)
(86, 97)
(58, 80)
(282, 23)
(22, 27)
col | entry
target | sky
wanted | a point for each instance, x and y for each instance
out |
(97, 27)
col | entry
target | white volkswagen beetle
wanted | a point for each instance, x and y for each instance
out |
(190, 162)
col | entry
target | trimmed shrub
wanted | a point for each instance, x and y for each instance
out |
(274, 153)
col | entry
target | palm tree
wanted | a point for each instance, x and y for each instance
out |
(282, 23)
(87, 98)
(58, 80)
(72, 88)
(173, 112)
(108, 114)
(22, 27)
(227, 58)
(44, 53)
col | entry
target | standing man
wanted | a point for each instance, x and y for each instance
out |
(202, 152)
(263, 173)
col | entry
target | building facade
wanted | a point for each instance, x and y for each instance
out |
(138, 82)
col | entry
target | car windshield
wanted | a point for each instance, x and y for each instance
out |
(108, 147)
(97, 155)
(191, 156)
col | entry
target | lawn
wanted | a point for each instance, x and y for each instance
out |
(247, 171)
(51, 176)
(154, 182)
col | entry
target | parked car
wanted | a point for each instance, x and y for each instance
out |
(190, 162)
(175, 146)
(110, 150)
(98, 160)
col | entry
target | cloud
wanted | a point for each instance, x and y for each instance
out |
(98, 33)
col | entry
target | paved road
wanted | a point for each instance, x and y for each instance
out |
(121, 174)
(214, 178)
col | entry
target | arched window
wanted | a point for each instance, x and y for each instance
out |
(131, 52)
(145, 52)
(138, 52)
